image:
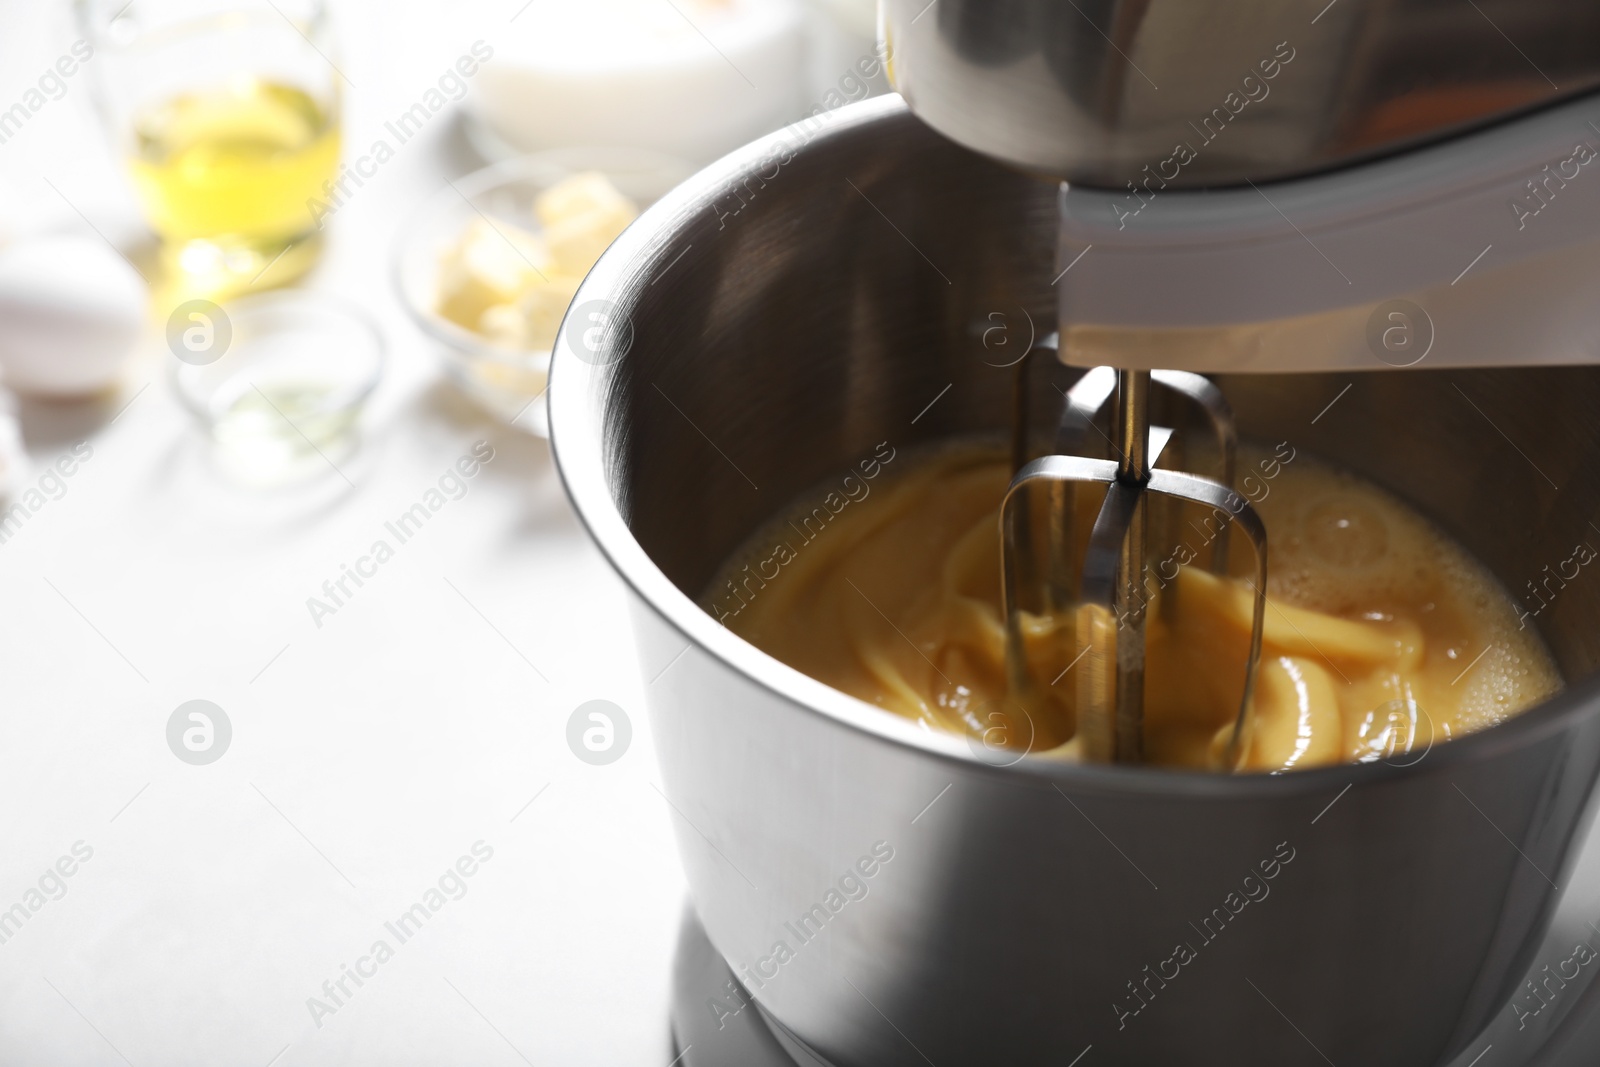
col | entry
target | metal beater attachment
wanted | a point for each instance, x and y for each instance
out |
(1106, 595)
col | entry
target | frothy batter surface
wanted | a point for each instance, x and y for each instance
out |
(1382, 635)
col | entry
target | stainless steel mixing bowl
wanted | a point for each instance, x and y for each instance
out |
(765, 327)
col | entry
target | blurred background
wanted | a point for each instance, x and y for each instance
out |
(296, 627)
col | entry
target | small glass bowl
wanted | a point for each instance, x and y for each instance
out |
(282, 399)
(506, 381)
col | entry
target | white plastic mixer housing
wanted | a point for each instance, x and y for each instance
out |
(1483, 250)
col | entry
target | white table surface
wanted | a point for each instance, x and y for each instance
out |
(368, 754)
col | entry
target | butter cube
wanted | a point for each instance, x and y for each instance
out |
(491, 264)
(543, 306)
(582, 216)
(579, 195)
(504, 325)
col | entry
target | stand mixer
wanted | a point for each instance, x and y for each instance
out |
(1256, 187)
(1391, 223)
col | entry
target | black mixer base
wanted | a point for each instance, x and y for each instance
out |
(743, 1039)
(747, 1038)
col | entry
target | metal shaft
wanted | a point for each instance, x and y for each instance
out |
(1131, 437)
(1131, 434)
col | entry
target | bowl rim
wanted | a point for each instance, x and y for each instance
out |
(577, 398)
(349, 397)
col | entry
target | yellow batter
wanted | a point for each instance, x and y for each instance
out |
(1383, 636)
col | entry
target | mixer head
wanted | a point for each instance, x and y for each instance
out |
(1281, 187)
(1091, 91)
(1260, 186)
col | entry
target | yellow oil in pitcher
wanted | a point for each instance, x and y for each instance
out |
(226, 175)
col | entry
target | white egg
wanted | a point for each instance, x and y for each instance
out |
(71, 309)
(13, 459)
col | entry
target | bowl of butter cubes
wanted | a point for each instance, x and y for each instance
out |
(492, 261)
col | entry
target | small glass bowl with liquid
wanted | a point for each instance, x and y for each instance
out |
(281, 387)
